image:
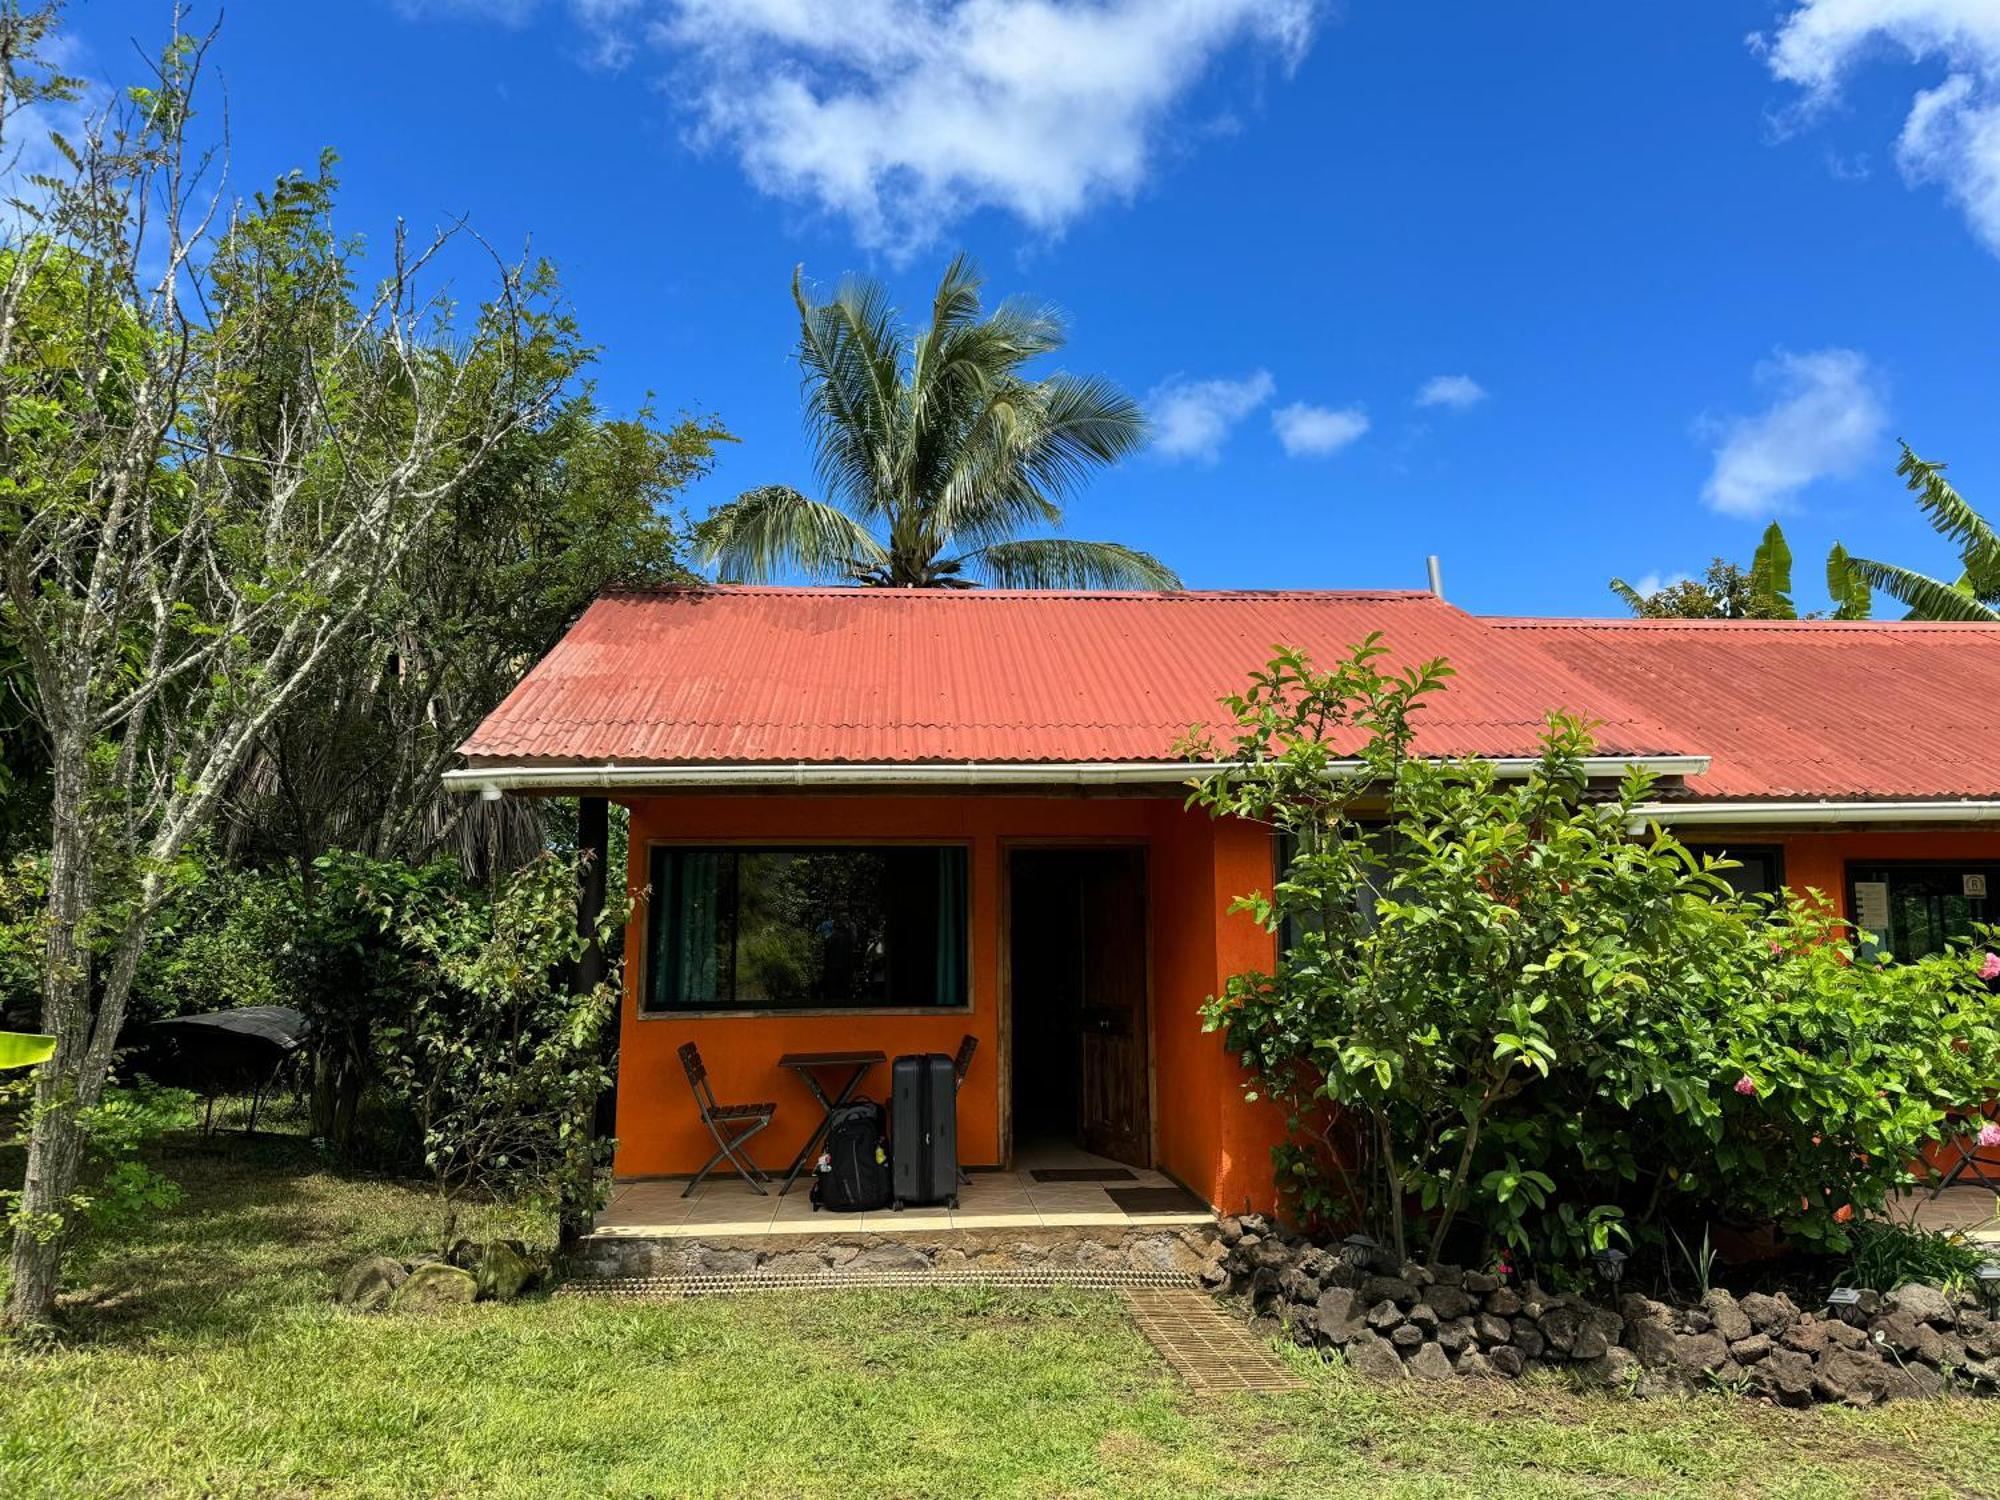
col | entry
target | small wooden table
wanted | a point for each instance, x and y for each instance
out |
(808, 1065)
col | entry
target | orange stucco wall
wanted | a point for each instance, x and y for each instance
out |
(1819, 861)
(1205, 1134)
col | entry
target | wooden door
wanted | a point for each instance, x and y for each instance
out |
(1113, 1111)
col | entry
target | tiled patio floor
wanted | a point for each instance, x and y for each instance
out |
(1969, 1210)
(993, 1200)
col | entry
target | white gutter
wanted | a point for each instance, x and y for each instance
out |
(492, 781)
(1760, 813)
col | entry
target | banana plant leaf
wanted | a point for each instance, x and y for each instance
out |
(23, 1049)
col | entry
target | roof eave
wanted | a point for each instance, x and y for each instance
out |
(492, 780)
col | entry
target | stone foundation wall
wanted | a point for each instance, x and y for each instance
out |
(1180, 1248)
(1443, 1322)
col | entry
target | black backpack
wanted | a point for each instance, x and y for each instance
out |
(853, 1172)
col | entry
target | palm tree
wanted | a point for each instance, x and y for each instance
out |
(936, 451)
(1976, 593)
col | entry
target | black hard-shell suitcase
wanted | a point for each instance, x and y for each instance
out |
(923, 1130)
(852, 1174)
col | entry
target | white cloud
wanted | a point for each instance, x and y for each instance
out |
(1455, 391)
(1652, 583)
(1312, 431)
(903, 116)
(1192, 417)
(1826, 417)
(1951, 135)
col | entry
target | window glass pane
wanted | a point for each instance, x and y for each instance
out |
(1760, 869)
(1916, 909)
(777, 928)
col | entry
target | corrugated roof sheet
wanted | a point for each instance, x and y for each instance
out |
(878, 676)
(1804, 708)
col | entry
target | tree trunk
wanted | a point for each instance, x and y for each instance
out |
(593, 842)
(63, 1084)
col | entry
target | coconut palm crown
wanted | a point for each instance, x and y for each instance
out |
(1974, 595)
(936, 451)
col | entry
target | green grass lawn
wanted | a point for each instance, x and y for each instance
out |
(209, 1360)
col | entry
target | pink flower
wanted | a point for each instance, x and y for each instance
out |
(1989, 1134)
(1991, 968)
(1776, 946)
(1746, 1085)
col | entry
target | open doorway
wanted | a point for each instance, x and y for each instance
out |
(1077, 957)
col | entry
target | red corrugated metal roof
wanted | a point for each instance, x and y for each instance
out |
(879, 676)
(1806, 708)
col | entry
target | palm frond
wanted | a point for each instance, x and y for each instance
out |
(1060, 563)
(1951, 516)
(1634, 600)
(1927, 598)
(850, 357)
(764, 531)
(1852, 598)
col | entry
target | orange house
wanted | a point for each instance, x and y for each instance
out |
(891, 820)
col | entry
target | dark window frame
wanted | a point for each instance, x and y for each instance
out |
(656, 904)
(1743, 853)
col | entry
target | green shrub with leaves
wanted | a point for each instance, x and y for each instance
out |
(217, 944)
(500, 1060)
(1496, 1010)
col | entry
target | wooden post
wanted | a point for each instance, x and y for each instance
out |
(593, 844)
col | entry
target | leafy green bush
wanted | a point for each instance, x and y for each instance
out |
(500, 1060)
(1494, 1001)
(215, 945)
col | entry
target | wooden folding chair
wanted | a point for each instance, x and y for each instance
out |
(961, 1064)
(730, 1124)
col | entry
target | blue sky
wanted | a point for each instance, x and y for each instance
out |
(1677, 280)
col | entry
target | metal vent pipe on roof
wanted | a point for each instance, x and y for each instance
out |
(1437, 575)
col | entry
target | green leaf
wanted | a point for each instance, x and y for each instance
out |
(24, 1049)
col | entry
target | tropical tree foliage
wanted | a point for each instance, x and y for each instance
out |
(198, 504)
(937, 450)
(1494, 1007)
(1973, 595)
(1727, 591)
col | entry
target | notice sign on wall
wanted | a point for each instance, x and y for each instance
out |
(1975, 885)
(1871, 905)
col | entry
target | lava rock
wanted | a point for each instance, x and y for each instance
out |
(1507, 1360)
(1455, 1334)
(371, 1282)
(1528, 1338)
(1699, 1353)
(1430, 1363)
(504, 1271)
(1406, 1336)
(1924, 1303)
(1449, 1301)
(1338, 1322)
(1388, 1288)
(1748, 1351)
(1504, 1301)
(1784, 1376)
(1729, 1319)
(1376, 1359)
(1768, 1314)
(1479, 1283)
(1492, 1329)
(431, 1286)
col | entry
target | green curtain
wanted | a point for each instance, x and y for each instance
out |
(951, 927)
(688, 885)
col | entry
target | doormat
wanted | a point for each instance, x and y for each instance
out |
(1082, 1174)
(1204, 1346)
(1156, 1200)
